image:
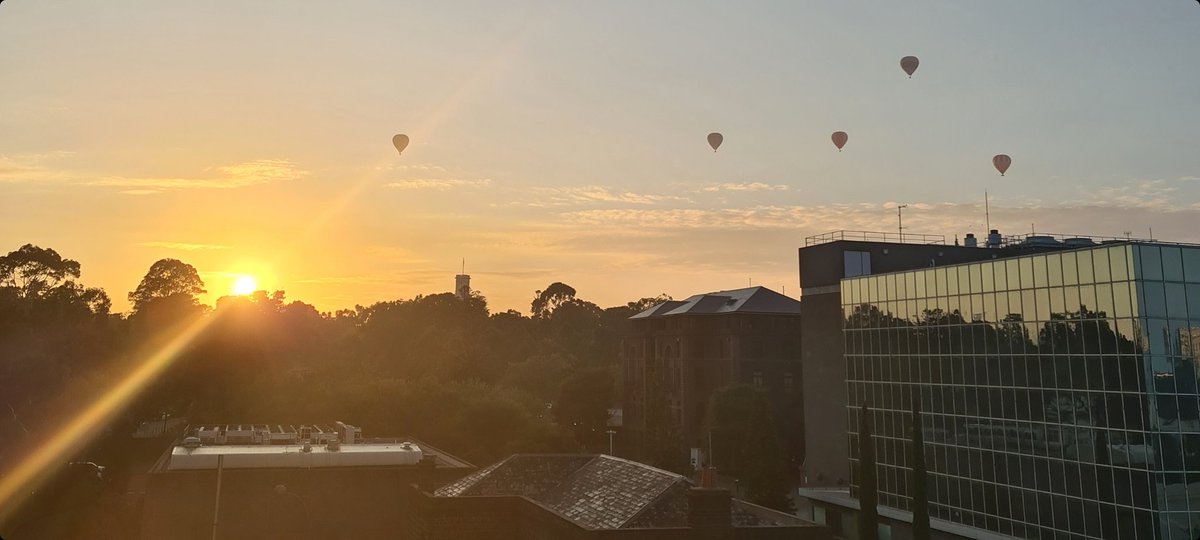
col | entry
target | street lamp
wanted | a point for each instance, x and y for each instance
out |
(610, 441)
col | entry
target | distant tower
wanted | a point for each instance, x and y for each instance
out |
(462, 283)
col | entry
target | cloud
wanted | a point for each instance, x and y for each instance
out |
(563, 196)
(183, 246)
(250, 173)
(746, 186)
(425, 168)
(31, 167)
(438, 184)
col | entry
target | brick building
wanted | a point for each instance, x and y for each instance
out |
(678, 353)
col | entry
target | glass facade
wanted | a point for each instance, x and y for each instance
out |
(1058, 391)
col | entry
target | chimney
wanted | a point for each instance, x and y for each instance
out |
(427, 473)
(709, 511)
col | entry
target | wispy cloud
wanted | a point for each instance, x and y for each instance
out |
(439, 184)
(573, 195)
(31, 167)
(183, 246)
(746, 186)
(245, 174)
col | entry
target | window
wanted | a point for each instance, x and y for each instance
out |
(758, 379)
(857, 263)
(788, 383)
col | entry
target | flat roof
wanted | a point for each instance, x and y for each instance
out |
(369, 453)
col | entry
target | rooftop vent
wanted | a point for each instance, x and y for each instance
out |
(1041, 241)
(191, 442)
(1079, 242)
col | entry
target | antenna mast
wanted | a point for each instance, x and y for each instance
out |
(987, 211)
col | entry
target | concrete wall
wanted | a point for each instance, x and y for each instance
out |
(335, 503)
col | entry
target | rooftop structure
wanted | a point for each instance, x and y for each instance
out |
(748, 300)
(252, 481)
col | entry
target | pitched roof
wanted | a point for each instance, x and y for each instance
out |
(595, 491)
(748, 300)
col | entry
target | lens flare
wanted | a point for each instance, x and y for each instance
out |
(89, 422)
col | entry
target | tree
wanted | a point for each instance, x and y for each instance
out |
(746, 445)
(34, 272)
(545, 302)
(168, 279)
(868, 484)
(920, 480)
(583, 403)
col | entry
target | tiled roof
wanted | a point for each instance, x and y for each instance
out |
(599, 491)
(607, 491)
(748, 300)
(595, 491)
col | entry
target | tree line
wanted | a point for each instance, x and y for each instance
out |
(435, 367)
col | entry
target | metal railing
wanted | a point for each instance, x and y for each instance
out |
(873, 236)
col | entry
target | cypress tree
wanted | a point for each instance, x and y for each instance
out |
(920, 480)
(868, 484)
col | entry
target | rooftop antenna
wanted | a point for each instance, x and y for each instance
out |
(464, 265)
(987, 211)
(900, 219)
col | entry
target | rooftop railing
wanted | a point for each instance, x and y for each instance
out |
(873, 236)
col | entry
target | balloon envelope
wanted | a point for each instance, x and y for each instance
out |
(1001, 162)
(909, 64)
(400, 141)
(839, 139)
(714, 140)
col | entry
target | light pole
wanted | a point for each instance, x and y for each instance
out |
(900, 219)
(610, 441)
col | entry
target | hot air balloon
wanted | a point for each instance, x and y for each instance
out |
(909, 64)
(1001, 162)
(714, 140)
(839, 139)
(400, 141)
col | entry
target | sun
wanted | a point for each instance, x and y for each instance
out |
(244, 285)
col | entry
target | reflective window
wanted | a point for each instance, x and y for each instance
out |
(1191, 264)
(1153, 299)
(1083, 260)
(1172, 263)
(1176, 300)
(1100, 265)
(1054, 266)
(1150, 262)
(1070, 270)
(1118, 259)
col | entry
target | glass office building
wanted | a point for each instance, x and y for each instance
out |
(1058, 391)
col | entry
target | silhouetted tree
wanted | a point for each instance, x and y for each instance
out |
(168, 279)
(584, 399)
(745, 444)
(920, 479)
(868, 484)
(545, 302)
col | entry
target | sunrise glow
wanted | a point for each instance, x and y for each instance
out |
(244, 285)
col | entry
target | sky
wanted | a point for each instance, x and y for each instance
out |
(565, 141)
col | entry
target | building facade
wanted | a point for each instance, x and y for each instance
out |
(677, 354)
(824, 261)
(1058, 391)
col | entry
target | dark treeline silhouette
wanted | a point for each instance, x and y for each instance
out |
(446, 370)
